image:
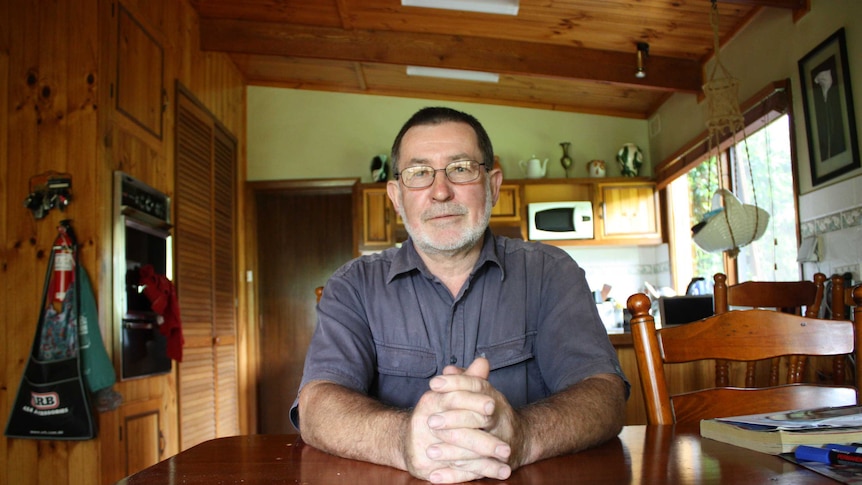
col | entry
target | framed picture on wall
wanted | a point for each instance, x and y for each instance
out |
(830, 123)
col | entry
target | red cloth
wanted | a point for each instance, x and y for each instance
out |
(163, 299)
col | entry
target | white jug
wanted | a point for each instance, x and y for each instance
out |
(533, 168)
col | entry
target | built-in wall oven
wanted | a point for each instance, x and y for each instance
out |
(142, 235)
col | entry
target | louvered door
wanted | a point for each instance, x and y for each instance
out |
(205, 247)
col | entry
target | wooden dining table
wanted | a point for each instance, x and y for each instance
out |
(639, 455)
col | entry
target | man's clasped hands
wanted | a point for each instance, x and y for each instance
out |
(463, 429)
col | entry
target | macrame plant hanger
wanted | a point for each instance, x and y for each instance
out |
(731, 224)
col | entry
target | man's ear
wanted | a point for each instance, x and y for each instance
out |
(393, 189)
(496, 176)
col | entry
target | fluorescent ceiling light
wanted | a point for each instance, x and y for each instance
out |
(488, 77)
(502, 7)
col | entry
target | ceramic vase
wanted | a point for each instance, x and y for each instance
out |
(630, 158)
(566, 160)
(380, 168)
(597, 168)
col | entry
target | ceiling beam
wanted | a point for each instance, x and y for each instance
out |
(789, 4)
(448, 51)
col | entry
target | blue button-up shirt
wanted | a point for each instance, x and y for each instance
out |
(386, 325)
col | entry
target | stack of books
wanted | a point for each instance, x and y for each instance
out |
(781, 432)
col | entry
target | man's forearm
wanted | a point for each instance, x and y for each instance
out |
(346, 423)
(577, 418)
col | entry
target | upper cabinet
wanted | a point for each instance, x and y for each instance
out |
(508, 206)
(376, 224)
(139, 91)
(628, 213)
(625, 211)
(379, 227)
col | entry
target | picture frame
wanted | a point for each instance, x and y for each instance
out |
(827, 100)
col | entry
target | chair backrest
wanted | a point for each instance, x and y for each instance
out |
(783, 296)
(841, 297)
(739, 335)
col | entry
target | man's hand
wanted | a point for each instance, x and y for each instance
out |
(461, 429)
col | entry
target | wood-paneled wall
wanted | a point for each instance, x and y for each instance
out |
(57, 66)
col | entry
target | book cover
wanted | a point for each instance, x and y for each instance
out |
(782, 432)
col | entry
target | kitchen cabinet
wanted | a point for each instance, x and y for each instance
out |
(380, 228)
(139, 91)
(627, 212)
(377, 218)
(508, 207)
(136, 438)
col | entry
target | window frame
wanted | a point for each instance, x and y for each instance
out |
(766, 106)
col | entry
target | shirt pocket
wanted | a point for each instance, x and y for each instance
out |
(405, 361)
(508, 352)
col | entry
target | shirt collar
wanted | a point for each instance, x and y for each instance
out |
(407, 259)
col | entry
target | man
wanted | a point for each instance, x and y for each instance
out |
(541, 377)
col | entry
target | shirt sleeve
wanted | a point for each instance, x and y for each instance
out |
(572, 343)
(342, 349)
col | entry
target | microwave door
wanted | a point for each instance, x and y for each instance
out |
(560, 219)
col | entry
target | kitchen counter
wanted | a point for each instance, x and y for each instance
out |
(620, 338)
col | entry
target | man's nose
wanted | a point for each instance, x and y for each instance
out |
(441, 187)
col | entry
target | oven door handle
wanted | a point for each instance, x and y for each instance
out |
(137, 325)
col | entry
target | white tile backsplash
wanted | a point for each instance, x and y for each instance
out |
(835, 216)
(624, 268)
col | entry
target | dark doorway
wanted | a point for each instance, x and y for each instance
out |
(303, 236)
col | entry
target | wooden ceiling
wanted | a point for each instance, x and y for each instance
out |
(567, 55)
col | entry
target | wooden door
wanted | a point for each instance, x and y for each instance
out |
(302, 238)
(205, 274)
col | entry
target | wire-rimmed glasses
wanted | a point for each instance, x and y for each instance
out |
(422, 176)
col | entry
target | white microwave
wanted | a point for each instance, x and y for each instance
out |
(560, 220)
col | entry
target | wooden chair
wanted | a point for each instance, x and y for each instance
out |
(841, 297)
(783, 296)
(739, 335)
(841, 300)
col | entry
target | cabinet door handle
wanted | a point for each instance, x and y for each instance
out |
(161, 444)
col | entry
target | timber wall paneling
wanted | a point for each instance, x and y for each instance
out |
(60, 62)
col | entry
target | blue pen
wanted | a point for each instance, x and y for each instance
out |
(825, 455)
(854, 448)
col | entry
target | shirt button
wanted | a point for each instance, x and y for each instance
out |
(453, 360)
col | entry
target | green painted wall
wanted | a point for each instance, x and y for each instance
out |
(295, 134)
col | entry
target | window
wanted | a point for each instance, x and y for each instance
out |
(773, 256)
(759, 166)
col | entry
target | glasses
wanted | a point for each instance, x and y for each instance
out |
(422, 176)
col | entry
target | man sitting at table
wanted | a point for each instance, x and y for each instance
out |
(542, 378)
